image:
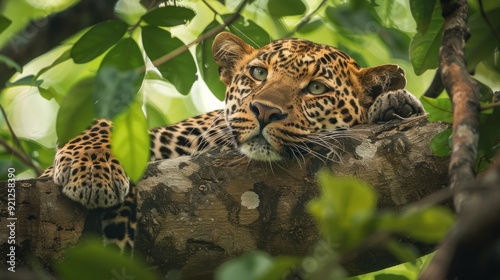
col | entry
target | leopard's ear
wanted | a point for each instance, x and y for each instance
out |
(228, 50)
(384, 78)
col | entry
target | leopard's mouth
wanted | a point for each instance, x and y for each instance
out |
(258, 148)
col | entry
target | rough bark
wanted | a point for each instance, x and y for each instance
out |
(194, 213)
(465, 97)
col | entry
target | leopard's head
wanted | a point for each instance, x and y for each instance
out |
(279, 95)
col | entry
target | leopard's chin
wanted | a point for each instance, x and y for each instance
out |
(259, 149)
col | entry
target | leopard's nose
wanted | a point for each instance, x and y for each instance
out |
(266, 114)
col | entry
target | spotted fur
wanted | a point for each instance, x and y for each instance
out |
(278, 98)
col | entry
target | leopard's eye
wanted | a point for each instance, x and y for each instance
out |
(316, 88)
(258, 73)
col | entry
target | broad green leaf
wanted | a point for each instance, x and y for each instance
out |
(343, 210)
(482, 44)
(424, 48)
(249, 31)
(397, 42)
(130, 11)
(281, 8)
(155, 117)
(130, 141)
(10, 63)
(75, 113)
(439, 109)
(255, 266)
(97, 40)
(351, 20)
(62, 58)
(180, 70)
(209, 69)
(422, 13)
(4, 23)
(105, 263)
(428, 225)
(169, 16)
(118, 80)
(390, 276)
(29, 80)
(440, 143)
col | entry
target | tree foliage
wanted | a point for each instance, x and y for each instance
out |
(151, 65)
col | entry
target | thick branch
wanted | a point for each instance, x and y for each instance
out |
(194, 213)
(465, 98)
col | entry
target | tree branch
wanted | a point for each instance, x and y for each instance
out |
(465, 98)
(194, 213)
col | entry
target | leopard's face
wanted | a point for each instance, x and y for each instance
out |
(279, 95)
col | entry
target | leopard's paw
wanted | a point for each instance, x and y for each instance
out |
(87, 170)
(394, 104)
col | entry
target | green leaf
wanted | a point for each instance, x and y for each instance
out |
(489, 134)
(4, 23)
(249, 31)
(105, 264)
(97, 40)
(130, 141)
(482, 43)
(350, 20)
(441, 143)
(10, 63)
(180, 70)
(428, 225)
(422, 12)
(155, 117)
(62, 58)
(50, 92)
(130, 11)
(403, 252)
(282, 8)
(75, 113)
(29, 80)
(311, 26)
(118, 80)
(343, 210)
(424, 48)
(209, 69)
(390, 276)
(255, 266)
(169, 16)
(439, 109)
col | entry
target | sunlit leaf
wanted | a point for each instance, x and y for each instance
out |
(130, 141)
(130, 11)
(440, 143)
(390, 276)
(50, 92)
(4, 23)
(155, 117)
(439, 109)
(249, 31)
(62, 58)
(428, 225)
(180, 70)
(344, 208)
(424, 48)
(169, 16)
(422, 13)
(118, 80)
(76, 112)
(105, 264)
(281, 8)
(97, 40)
(209, 69)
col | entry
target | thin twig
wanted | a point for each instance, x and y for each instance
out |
(436, 86)
(305, 19)
(488, 22)
(200, 39)
(490, 106)
(21, 156)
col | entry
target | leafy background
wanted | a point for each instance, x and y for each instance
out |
(122, 63)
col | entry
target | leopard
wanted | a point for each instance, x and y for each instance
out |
(278, 98)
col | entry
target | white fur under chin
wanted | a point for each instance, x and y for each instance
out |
(260, 150)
